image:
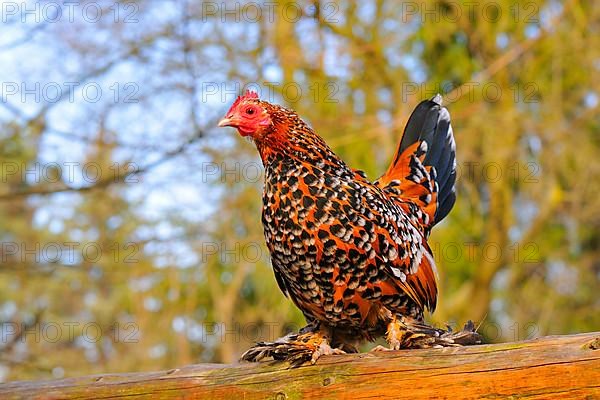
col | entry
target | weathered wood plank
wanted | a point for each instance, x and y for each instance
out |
(558, 367)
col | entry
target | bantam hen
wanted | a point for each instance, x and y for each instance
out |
(350, 253)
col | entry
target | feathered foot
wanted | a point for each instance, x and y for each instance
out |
(406, 333)
(296, 348)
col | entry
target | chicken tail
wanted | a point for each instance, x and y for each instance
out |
(423, 171)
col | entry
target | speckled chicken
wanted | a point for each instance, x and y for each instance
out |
(350, 253)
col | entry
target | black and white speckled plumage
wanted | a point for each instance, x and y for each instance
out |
(350, 253)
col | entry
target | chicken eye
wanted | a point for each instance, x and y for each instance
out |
(250, 111)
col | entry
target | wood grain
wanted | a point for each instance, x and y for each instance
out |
(554, 367)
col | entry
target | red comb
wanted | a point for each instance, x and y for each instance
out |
(250, 94)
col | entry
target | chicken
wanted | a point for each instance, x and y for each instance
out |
(350, 253)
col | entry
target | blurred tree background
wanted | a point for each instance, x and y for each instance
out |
(130, 225)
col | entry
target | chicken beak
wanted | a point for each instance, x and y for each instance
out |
(226, 122)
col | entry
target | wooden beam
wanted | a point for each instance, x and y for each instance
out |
(554, 367)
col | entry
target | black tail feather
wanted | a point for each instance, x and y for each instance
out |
(430, 122)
